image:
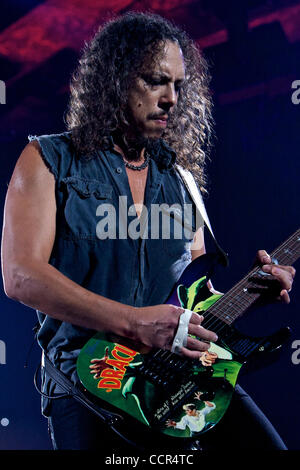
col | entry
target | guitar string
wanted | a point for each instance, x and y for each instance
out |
(222, 309)
(214, 322)
(280, 251)
(245, 300)
(232, 294)
(292, 244)
(219, 303)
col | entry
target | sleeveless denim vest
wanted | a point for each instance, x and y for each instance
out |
(138, 271)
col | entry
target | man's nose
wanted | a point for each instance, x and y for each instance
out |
(169, 97)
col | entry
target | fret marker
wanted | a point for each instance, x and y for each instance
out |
(245, 289)
(287, 251)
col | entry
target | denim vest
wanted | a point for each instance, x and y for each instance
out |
(135, 271)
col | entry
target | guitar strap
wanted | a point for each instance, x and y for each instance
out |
(193, 189)
(113, 420)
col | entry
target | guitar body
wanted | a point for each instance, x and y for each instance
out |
(131, 389)
(167, 393)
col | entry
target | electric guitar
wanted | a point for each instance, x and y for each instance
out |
(170, 394)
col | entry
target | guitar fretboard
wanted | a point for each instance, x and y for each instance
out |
(238, 299)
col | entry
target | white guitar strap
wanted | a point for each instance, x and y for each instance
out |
(193, 189)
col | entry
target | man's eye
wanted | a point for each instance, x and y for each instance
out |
(160, 81)
(155, 83)
(152, 81)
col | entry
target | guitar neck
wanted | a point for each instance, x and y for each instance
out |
(238, 299)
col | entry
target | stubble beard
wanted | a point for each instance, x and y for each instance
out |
(132, 140)
(132, 145)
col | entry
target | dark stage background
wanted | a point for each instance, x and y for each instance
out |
(254, 51)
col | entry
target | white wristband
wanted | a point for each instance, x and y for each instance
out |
(180, 339)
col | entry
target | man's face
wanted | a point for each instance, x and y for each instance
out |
(154, 93)
(191, 412)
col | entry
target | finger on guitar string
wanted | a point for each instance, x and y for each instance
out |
(191, 354)
(199, 339)
(202, 333)
(283, 274)
(195, 328)
(284, 296)
(196, 318)
(290, 269)
(197, 345)
(262, 257)
(284, 277)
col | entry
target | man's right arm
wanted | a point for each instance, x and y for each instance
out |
(27, 241)
(28, 237)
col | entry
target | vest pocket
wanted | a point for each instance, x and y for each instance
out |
(83, 197)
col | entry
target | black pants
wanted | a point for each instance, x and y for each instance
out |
(244, 426)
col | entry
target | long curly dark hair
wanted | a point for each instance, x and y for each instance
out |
(109, 64)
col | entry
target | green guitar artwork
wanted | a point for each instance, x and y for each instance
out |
(169, 393)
